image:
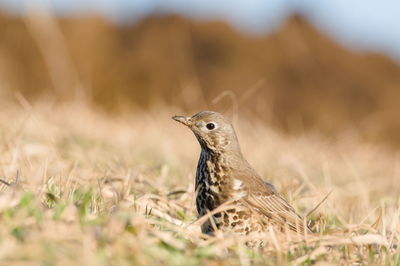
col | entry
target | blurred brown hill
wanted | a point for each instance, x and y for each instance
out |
(295, 78)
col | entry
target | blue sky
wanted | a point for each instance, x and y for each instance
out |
(360, 24)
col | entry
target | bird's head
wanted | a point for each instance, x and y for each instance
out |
(213, 131)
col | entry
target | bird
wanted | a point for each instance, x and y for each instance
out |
(223, 176)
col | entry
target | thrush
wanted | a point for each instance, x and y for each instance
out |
(224, 176)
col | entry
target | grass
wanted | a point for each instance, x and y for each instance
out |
(88, 189)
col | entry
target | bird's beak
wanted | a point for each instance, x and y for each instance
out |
(182, 119)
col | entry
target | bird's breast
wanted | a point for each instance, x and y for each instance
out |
(211, 183)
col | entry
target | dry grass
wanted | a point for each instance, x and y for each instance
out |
(87, 189)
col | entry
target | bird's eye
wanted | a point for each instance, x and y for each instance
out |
(210, 126)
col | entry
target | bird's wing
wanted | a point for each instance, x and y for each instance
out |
(264, 199)
(277, 209)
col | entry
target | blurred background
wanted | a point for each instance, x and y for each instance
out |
(330, 67)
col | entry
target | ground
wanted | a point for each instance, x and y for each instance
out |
(81, 187)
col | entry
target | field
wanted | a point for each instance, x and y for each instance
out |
(81, 187)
